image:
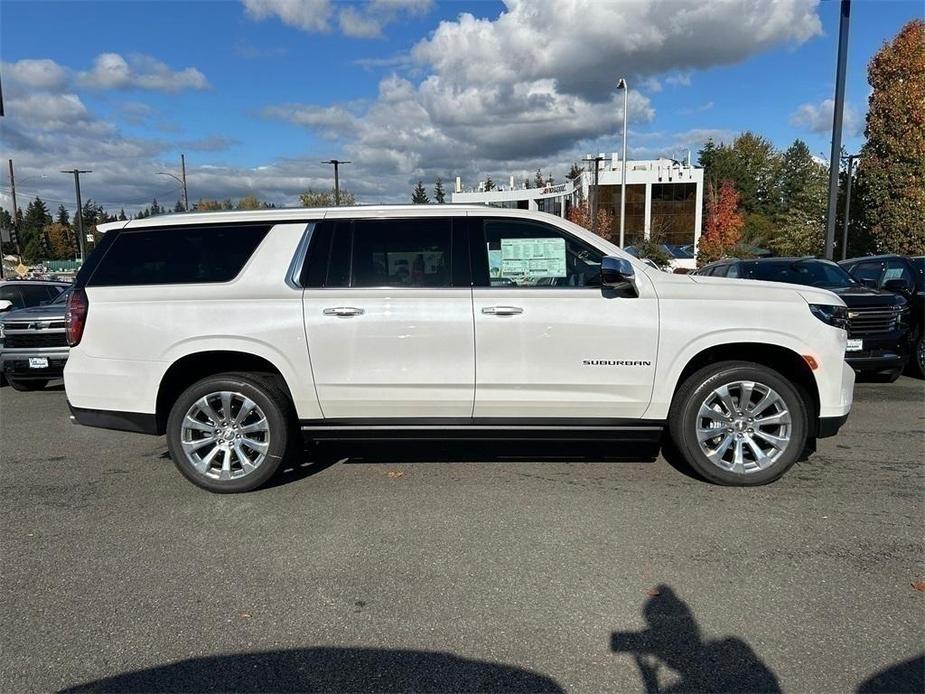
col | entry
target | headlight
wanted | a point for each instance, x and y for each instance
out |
(836, 316)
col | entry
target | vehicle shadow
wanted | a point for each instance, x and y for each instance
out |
(672, 655)
(907, 676)
(327, 669)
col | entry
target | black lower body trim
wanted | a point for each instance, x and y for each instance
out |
(509, 429)
(829, 426)
(137, 422)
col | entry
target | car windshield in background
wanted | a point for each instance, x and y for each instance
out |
(813, 273)
(62, 297)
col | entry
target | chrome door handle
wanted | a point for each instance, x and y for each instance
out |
(343, 311)
(502, 310)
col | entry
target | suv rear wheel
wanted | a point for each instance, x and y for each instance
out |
(230, 432)
(739, 423)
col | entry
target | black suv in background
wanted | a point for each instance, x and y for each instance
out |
(878, 320)
(903, 276)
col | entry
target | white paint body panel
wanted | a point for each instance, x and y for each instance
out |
(432, 353)
(409, 354)
(532, 364)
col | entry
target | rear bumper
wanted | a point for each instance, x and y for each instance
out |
(137, 422)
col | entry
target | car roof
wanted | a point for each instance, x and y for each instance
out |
(11, 280)
(883, 256)
(299, 214)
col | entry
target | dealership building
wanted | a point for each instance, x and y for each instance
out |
(664, 198)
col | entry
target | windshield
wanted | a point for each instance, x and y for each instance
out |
(62, 297)
(813, 273)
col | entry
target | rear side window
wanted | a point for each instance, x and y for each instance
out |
(178, 255)
(400, 253)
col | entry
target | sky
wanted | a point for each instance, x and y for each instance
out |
(257, 93)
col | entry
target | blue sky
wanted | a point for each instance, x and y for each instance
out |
(257, 93)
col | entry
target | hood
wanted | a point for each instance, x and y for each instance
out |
(865, 296)
(757, 289)
(47, 312)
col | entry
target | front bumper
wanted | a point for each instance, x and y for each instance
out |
(14, 363)
(888, 352)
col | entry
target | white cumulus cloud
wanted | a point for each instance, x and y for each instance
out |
(112, 71)
(817, 118)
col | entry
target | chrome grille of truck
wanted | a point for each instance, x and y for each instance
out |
(871, 321)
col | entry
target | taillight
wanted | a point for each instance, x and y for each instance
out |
(76, 316)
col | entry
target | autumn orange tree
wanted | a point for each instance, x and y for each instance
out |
(725, 222)
(891, 176)
(581, 215)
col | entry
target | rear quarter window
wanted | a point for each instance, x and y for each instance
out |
(177, 255)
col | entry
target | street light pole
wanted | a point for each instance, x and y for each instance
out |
(183, 174)
(835, 158)
(844, 239)
(625, 87)
(337, 164)
(15, 211)
(79, 215)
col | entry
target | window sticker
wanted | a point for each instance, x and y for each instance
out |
(529, 259)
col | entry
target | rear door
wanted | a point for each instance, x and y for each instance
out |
(388, 319)
(550, 342)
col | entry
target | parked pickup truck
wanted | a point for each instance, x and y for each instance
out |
(33, 344)
(235, 332)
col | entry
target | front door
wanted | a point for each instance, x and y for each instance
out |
(550, 343)
(389, 319)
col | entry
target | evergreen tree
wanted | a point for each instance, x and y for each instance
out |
(155, 208)
(574, 172)
(892, 167)
(63, 218)
(439, 192)
(538, 180)
(419, 195)
(122, 216)
(178, 207)
(489, 184)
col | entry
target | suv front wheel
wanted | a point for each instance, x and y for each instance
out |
(230, 432)
(739, 423)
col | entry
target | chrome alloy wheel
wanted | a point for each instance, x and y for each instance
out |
(743, 427)
(225, 435)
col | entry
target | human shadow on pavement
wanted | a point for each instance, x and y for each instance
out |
(907, 676)
(328, 669)
(673, 642)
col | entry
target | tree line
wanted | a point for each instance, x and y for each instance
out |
(37, 235)
(756, 196)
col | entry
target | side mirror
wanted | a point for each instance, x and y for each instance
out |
(5, 305)
(898, 285)
(616, 272)
(869, 283)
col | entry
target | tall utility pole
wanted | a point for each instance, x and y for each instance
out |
(844, 236)
(626, 90)
(835, 158)
(337, 164)
(15, 211)
(183, 175)
(79, 215)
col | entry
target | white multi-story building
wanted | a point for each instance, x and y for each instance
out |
(664, 199)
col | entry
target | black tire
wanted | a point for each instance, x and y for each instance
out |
(36, 384)
(276, 407)
(918, 358)
(691, 395)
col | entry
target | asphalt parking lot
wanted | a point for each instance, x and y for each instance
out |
(449, 567)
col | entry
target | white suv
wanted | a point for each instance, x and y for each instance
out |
(235, 332)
